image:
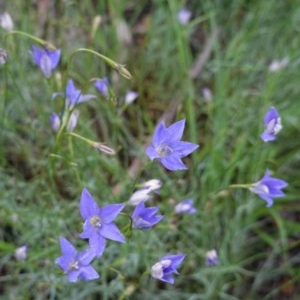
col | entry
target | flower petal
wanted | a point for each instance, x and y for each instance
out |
(152, 153)
(88, 206)
(86, 256)
(172, 163)
(73, 275)
(112, 232)
(97, 244)
(109, 212)
(175, 131)
(88, 273)
(85, 98)
(66, 247)
(270, 115)
(159, 134)
(183, 148)
(54, 56)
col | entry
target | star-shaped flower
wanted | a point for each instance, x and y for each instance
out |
(272, 123)
(73, 95)
(144, 217)
(167, 148)
(185, 207)
(167, 265)
(45, 59)
(98, 222)
(76, 265)
(268, 188)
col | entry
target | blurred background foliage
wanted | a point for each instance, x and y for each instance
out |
(227, 46)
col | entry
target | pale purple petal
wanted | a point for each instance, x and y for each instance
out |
(109, 212)
(88, 230)
(111, 231)
(152, 153)
(88, 273)
(102, 86)
(159, 134)
(173, 163)
(88, 206)
(176, 259)
(73, 275)
(85, 98)
(266, 137)
(45, 65)
(54, 56)
(270, 115)
(64, 261)
(85, 257)
(183, 148)
(175, 131)
(97, 244)
(66, 247)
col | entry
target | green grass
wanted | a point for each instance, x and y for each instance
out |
(258, 247)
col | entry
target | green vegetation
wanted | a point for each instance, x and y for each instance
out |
(41, 184)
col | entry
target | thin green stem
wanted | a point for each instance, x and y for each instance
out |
(36, 39)
(118, 67)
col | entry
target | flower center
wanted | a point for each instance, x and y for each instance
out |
(96, 222)
(163, 150)
(74, 265)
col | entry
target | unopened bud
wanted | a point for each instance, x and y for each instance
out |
(3, 56)
(123, 71)
(73, 119)
(105, 149)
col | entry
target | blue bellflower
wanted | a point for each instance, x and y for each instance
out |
(98, 222)
(184, 16)
(272, 123)
(76, 265)
(144, 217)
(166, 266)
(211, 258)
(55, 121)
(167, 148)
(268, 188)
(45, 59)
(73, 95)
(185, 207)
(102, 86)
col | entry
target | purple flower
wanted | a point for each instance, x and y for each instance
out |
(185, 207)
(102, 86)
(73, 119)
(268, 188)
(272, 124)
(130, 96)
(55, 121)
(184, 16)
(211, 258)
(144, 217)
(144, 193)
(98, 222)
(167, 148)
(76, 265)
(167, 265)
(73, 95)
(46, 59)
(21, 253)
